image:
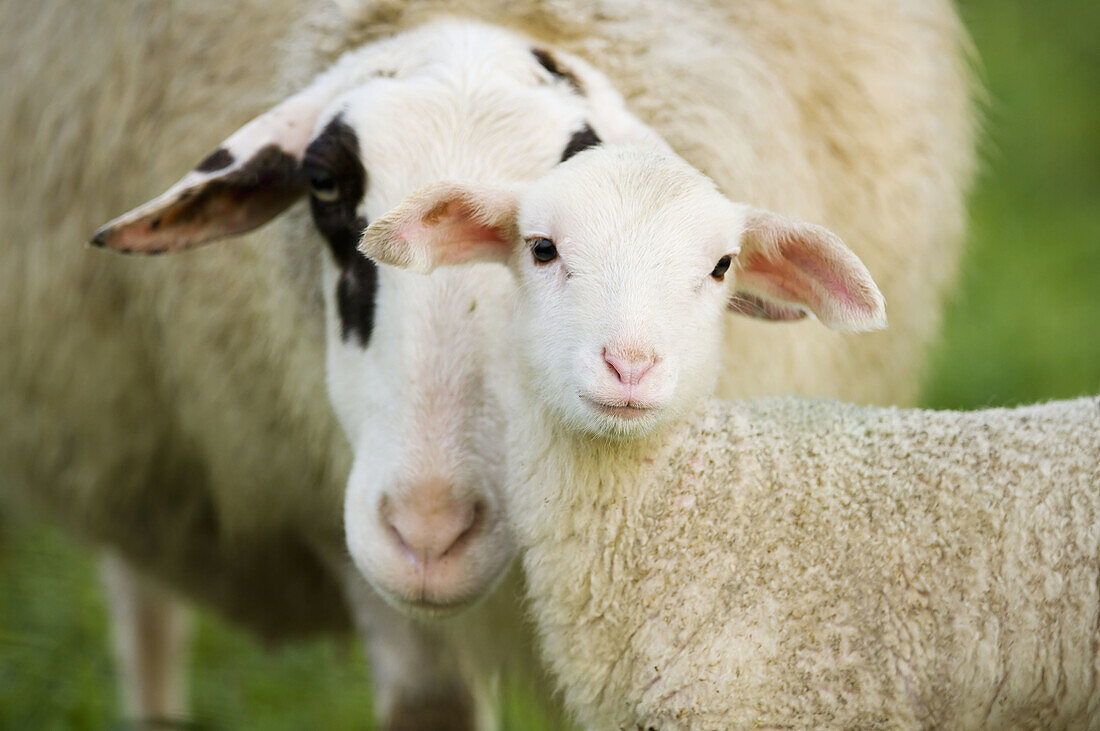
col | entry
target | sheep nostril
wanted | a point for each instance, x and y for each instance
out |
(429, 532)
(477, 517)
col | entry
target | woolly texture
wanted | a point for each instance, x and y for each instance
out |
(788, 562)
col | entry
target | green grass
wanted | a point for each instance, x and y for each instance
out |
(1024, 326)
(1026, 322)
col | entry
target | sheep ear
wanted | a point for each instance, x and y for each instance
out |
(252, 177)
(788, 267)
(445, 223)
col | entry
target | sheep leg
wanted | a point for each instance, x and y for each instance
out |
(419, 683)
(151, 630)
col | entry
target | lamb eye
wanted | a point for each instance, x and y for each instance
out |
(722, 267)
(543, 250)
(322, 186)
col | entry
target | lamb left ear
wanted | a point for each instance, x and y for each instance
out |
(788, 267)
(445, 223)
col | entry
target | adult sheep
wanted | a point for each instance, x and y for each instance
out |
(777, 563)
(133, 411)
(850, 113)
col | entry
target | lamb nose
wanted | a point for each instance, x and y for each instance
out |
(629, 371)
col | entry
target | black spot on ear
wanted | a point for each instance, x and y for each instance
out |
(216, 160)
(335, 153)
(550, 63)
(263, 186)
(581, 140)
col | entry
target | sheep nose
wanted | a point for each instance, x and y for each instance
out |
(629, 367)
(429, 524)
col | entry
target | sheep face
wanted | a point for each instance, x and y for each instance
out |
(409, 358)
(627, 259)
(423, 509)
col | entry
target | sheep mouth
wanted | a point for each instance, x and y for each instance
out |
(429, 609)
(628, 411)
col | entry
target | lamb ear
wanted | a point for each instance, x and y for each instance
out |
(788, 267)
(252, 177)
(445, 223)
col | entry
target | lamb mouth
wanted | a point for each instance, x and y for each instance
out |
(626, 411)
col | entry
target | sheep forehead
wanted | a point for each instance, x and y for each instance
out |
(629, 204)
(476, 111)
(442, 46)
(429, 129)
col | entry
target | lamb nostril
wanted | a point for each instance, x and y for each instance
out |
(629, 372)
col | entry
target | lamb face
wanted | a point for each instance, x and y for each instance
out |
(404, 353)
(620, 329)
(627, 258)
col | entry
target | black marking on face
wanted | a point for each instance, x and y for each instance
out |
(551, 64)
(356, 291)
(581, 140)
(335, 153)
(216, 160)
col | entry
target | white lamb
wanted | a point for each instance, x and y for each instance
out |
(773, 563)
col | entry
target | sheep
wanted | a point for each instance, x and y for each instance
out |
(781, 562)
(195, 439)
(174, 412)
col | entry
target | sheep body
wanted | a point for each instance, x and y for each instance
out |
(796, 562)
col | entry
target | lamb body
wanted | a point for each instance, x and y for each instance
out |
(698, 564)
(810, 563)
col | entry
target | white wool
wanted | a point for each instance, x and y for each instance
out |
(789, 562)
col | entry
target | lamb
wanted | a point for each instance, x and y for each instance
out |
(195, 439)
(783, 562)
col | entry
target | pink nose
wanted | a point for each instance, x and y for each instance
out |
(629, 369)
(429, 523)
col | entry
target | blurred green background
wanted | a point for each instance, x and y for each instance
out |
(1024, 326)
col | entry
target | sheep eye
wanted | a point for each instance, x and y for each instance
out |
(543, 250)
(722, 267)
(322, 186)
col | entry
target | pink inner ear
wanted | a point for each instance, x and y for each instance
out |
(455, 232)
(800, 277)
(807, 266)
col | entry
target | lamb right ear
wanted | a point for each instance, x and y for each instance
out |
(786, 268)
(445, 223)
(251, 178)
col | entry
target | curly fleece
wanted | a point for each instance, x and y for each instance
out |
(790, 562)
